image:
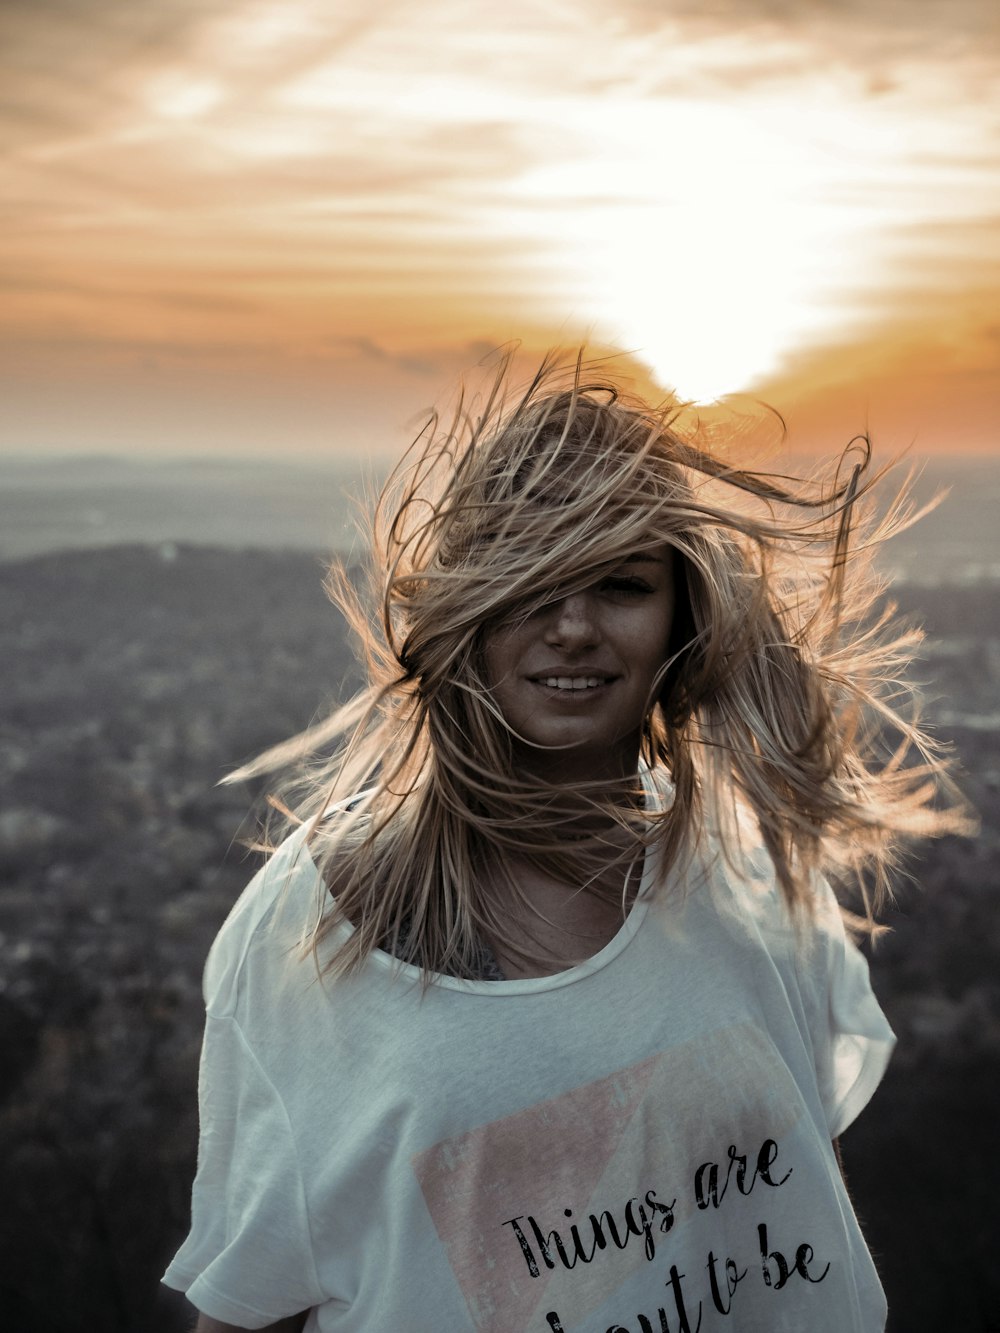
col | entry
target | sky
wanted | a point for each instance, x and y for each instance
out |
(284, 227)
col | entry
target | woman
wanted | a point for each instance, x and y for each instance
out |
(583, 1025)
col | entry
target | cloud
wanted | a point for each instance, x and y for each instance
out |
(371, 351)
(63, 59)
(907, 23)
(94, 345)
(725, 48)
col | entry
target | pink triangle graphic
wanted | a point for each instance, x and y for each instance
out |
(588, 1151)
(538, 1161)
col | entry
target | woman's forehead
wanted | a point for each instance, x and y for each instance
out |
(558, 579)
(661, 553)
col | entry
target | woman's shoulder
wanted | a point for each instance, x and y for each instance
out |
(742, 882)
(277, 913)
(270, 916)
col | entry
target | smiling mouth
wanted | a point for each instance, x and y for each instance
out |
(570, 683)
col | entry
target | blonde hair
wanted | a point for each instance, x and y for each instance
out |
(782, 691)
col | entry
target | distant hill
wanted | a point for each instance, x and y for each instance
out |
(95, 501)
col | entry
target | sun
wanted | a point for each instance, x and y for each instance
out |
(706, 242)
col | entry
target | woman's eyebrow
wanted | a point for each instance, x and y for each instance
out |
(644, 558)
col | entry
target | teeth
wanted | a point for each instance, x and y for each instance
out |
(572, 682)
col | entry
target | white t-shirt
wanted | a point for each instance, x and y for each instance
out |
(640, 1144)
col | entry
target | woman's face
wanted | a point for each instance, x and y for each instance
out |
(573, 679)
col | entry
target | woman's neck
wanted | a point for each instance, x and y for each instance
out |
(554, 925)
(613, 769)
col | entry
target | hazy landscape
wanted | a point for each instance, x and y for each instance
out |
(88, 501)
(83, 502)
(157, 628)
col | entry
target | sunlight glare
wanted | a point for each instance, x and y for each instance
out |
(704, 239)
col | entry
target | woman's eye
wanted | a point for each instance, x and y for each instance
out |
(626, 585)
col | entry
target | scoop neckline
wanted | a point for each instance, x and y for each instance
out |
(388, 964)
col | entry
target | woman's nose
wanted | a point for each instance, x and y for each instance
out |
(572, 623)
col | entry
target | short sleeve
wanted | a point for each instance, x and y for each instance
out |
(854, 1041)
(248, 1259)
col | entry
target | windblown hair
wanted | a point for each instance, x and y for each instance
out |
(782, 692)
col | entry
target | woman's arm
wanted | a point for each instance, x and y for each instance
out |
(293, 1324)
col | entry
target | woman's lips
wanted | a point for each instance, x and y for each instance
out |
(565, 683)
